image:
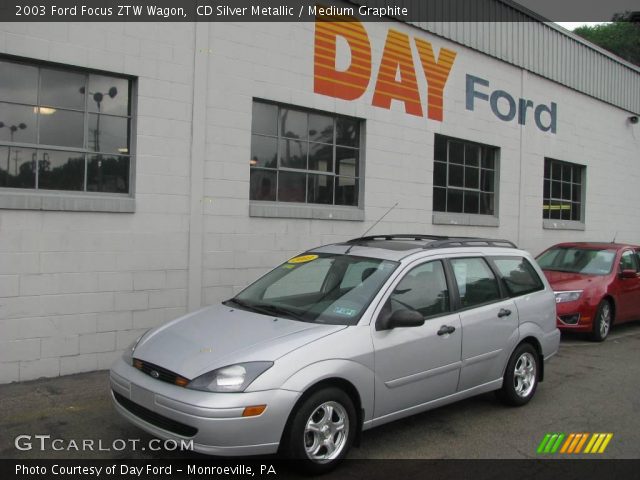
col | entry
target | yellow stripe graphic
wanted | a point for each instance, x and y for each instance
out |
(606, 442)
(591, 442)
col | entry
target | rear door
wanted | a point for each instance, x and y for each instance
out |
(489, 321)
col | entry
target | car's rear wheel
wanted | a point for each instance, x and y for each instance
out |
(521, 376)
(322, 430)
(602, 321)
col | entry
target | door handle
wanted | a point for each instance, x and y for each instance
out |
(504, 313)
(446, 329)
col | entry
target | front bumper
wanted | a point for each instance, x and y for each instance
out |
(213, 421)
(568, 309)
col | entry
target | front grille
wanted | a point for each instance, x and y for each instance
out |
(570, 319)
(161, 373)
(154, 418)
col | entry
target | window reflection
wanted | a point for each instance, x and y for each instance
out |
(17, 123)
(17, 167)
(62, 89)
(18, 83)
(60, 170)
(108, 134)
(64, 128)
(108, 95)
(303, 156)
(107, 173)
(75, 125)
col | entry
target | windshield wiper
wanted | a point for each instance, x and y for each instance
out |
(278, 310)
(267, 309)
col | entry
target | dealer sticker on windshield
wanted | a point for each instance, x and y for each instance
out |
(303, 259)
(347, 312)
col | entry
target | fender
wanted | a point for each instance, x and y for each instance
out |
(361, 377)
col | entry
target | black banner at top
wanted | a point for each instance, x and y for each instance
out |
(309, 10)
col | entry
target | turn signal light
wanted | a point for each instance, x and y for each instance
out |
(254, 410)
(181, 381)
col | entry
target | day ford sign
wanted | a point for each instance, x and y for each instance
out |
(397, 75)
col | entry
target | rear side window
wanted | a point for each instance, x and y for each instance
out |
(476, 282)
(518, 275)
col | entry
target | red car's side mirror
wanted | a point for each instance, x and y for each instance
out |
(628, 273)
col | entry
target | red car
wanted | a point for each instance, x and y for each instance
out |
(596, 285)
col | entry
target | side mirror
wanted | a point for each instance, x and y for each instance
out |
(401, 318)
(628, 273)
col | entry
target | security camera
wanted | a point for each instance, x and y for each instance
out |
(633, 119)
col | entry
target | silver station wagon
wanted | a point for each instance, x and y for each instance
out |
(339, 340)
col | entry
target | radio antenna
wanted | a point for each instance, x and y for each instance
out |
(614, 237)
(371, 227)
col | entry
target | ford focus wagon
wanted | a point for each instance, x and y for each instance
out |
(341, 339)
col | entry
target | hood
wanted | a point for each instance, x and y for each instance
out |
(218, 336)
(572, 281)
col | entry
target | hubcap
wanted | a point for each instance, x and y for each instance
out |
(326, 432)
(524, 375)
(605, 320)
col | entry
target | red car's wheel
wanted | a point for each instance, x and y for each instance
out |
(602, 321)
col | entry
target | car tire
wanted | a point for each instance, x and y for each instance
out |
(520, 377)
(602, 321)
(321, 430)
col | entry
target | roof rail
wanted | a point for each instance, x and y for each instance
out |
(439, 241)
(471, 242)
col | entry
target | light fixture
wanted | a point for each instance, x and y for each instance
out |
(123, 150)
(44, 110)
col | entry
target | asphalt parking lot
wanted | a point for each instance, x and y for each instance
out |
(588, 388)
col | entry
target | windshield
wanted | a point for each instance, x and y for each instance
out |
(318, 288)
(578, 260)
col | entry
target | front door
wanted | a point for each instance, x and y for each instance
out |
(415, 365)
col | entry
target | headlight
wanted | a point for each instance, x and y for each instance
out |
(570, 296)
(127, 356)
(233, 378)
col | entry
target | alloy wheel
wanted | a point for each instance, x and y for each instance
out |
(524, 375)
(326, 432)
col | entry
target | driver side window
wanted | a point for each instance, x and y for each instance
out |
(628, 261)
(423, 289)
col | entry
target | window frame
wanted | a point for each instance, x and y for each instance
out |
(464, 218)
(559, 223)
(332, 211)
(75, 200)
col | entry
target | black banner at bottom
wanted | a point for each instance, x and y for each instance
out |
(197, 469)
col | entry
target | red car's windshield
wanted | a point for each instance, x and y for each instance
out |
(586, 261)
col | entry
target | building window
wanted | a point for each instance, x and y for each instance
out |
(464, 177)
(64, 129)
(304, 156)
(563, 192)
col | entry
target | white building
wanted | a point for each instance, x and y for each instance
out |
(176, 162)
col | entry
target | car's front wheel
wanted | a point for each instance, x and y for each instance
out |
(602, 321)
(521, 376)
(322, 430)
